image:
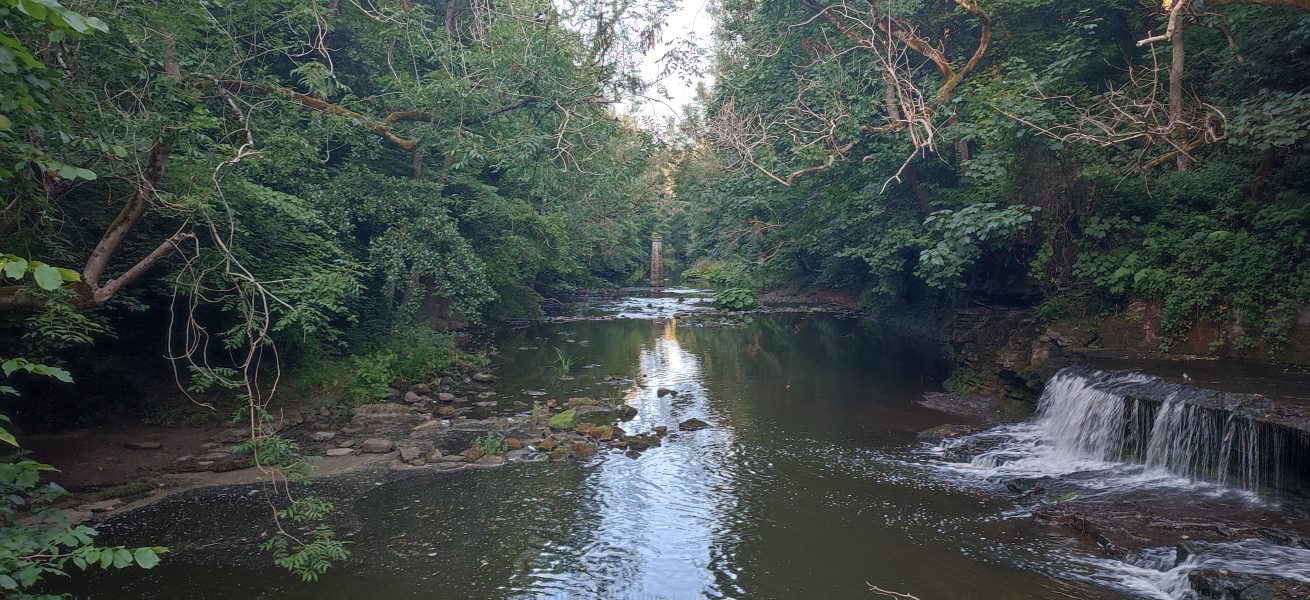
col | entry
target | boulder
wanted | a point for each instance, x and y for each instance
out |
(513, 443)
(483, 377)
(323, 436)
(565, 420)
(377, 446)
(409, 454)
(627, 413)
(547, 445)
(434, 455)
(340, 452)
(692, 424)
(428, 425)
(596, 415)
(412, 398)
(446, 397)
(491, 460)
(661, 430)
(446, 411)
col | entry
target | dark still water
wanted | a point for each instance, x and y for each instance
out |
(808, 485)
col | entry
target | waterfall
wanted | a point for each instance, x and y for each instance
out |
(1091, 420)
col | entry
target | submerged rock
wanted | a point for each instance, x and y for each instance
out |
(662, 392)
(949, 430)
(692, 424)
(1217, 584)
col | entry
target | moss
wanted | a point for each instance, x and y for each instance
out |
(565, 420)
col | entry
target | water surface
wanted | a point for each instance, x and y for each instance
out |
(810, 483)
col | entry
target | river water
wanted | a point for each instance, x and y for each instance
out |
(810, 483)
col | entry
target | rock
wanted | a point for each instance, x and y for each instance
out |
(235, 463)
(412, 398)
(949, 430)
(633, 454)
(519, 455)
(483, 377)
(661, 430)
(565, 420)
(142, 445)
(692, 424)
(491, 459)
(627, 413)
(513, 443)
(214, 456)
(102, 506)
(377, 446)
(184, 458)
(446, 411)
(323, 436)
(547, 445)
(662, 392)
(452, 458)
(583, 450)
(472, 455)
(962, 405)
(381, 412)
(233, 436)
(446, 397)
(346, 444)
(434, 455)
(596, 415)
(75, 516)
(428, 425)
(340, 452)
(560, 453)
(408, 454)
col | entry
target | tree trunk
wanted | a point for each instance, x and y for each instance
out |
(1176, 63)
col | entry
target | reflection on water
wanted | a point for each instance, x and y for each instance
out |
(805, 486)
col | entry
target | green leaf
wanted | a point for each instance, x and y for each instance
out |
(15, 268)
(8, 582)
(146, 557)
(47, 277)
(69, 275)
(122, 558)
(5, 123)
(7, 437)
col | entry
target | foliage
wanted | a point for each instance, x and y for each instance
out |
(491, 444)
(563, 362)
(36, 540)
(413, 355)
(1023, 197)
(735, 298)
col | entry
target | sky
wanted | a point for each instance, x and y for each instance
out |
(691, 18)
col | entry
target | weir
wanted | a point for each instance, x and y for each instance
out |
(1245, 441)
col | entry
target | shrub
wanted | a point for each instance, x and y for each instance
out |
(736, 298)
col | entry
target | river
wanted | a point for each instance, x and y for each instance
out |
(810, 483)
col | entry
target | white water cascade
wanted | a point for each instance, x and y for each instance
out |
(1140, 430)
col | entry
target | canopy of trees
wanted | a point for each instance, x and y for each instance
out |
(1072, 156)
